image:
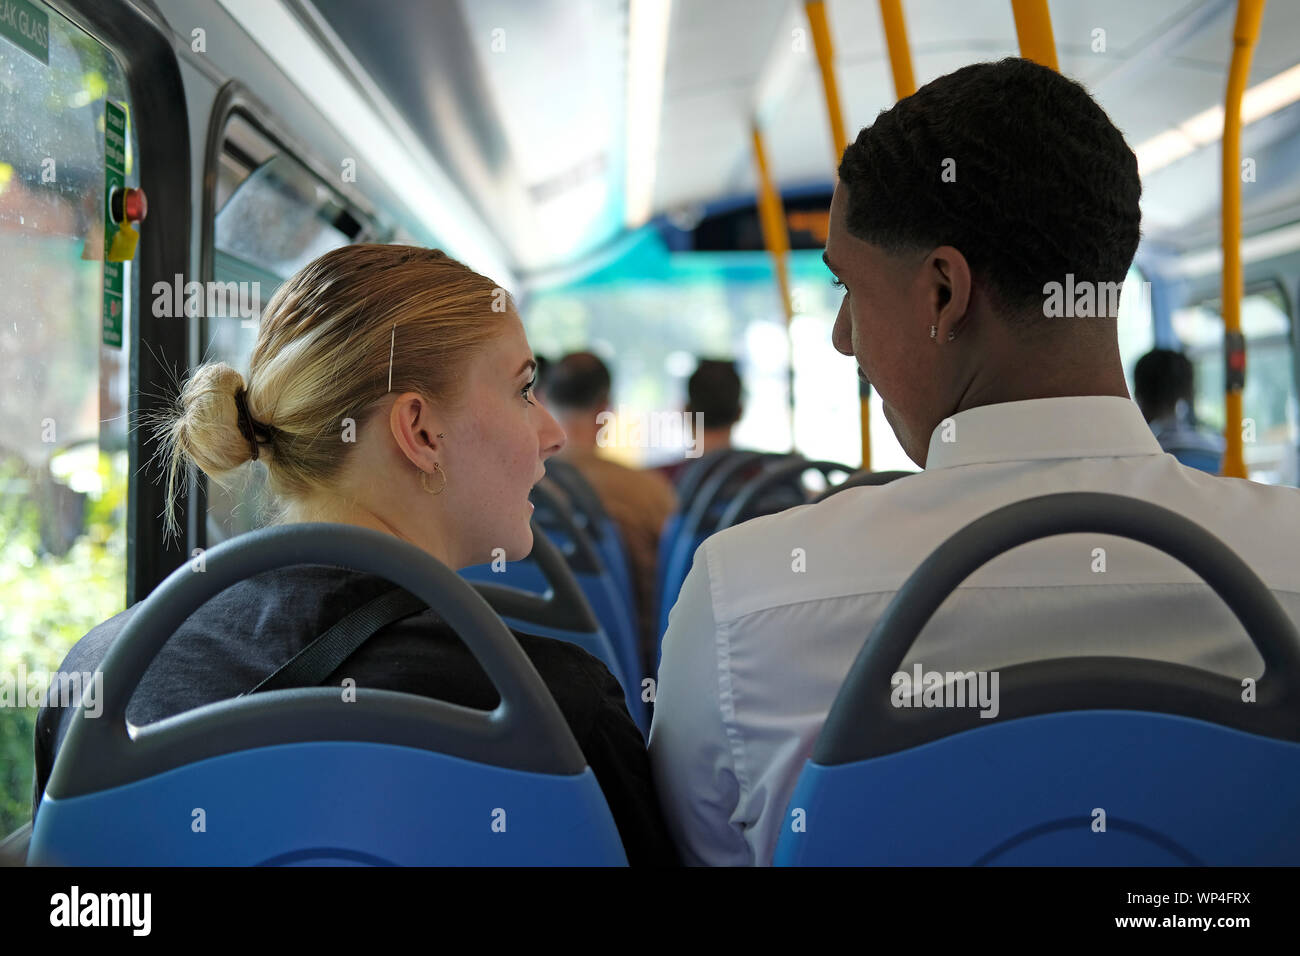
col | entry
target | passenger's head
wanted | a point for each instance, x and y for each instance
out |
(958, 209)
(1161, 379)
(389, 388)
(577, 390)
(714, 391)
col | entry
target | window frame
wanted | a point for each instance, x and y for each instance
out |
(141, 41)
(1289, 337)
(235, 99)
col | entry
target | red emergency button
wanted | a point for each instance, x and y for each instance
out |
(128, 205)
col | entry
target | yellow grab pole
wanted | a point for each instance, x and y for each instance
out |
(900, 53)
(771, 216)
(1034, 28)
(1244, 35)
(900, 64)
(821, 32)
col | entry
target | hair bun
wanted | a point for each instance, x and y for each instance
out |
(209, 429)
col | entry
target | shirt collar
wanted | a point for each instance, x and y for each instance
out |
(1086, 426)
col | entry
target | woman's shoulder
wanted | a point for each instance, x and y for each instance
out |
(424, 651)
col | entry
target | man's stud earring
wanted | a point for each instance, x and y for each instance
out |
(934, 331)
(952, 335)
(442, 434)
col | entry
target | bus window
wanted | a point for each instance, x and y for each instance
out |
(1135, 326)
(1269, 409)
(273, 216)
(63, 407)
(721, 305)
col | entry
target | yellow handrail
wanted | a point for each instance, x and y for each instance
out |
(821, 33)
(1244, 35)
(1034, 29)
(776, 237)
(900, 53)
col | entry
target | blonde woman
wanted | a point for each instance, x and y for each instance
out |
(390, 388)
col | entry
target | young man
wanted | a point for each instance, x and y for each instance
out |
(961, 218)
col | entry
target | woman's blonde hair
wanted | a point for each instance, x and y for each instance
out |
(322, 357)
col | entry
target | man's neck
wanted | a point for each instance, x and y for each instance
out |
(1064, 369)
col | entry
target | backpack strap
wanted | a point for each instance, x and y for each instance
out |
(326, 654)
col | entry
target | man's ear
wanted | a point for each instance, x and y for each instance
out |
(948, 274)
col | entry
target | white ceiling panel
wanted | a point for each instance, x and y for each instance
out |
(1164, 61)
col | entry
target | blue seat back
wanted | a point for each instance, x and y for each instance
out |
(613, 548)
(311, 775)
(548, 596)
(700, 520)
(541, 595)
(776, 488)
(667, 536)
(862, 479)
(1198, 458)
(1025, 792)
(1082, 761)
(590, 515)
(601, 590)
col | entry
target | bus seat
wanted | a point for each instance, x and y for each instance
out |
(776, 488)
(667, 536)
(689, 482)
(598, 586)
(1089, 761)
(863, 479)
(1198, 458)
(410, 780)
(590, 515)
(701, 519)
(540, 595)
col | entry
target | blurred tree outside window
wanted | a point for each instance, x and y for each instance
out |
(63, 407)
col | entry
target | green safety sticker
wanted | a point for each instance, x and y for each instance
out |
(114, 178)
(27, 26)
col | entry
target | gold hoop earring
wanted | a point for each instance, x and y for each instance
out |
(424, 480)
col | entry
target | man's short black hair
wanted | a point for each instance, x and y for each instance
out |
(579, 381)
(714, 389)
(1162, 378)
(1012, 164)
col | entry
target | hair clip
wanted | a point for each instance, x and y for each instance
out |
(391, 343)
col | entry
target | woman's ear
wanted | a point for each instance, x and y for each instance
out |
(411, 422)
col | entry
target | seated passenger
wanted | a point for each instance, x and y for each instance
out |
(578, 390)
(384, 392)
(713, 397)
(1163, 386)
(958, 216)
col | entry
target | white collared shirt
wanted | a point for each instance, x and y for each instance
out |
(756, 648)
